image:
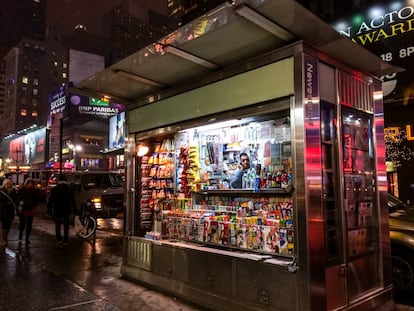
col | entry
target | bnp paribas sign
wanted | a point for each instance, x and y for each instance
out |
(386, 29)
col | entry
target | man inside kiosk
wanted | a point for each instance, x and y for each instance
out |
(243, 167)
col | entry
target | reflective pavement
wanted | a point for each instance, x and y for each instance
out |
(80, 276)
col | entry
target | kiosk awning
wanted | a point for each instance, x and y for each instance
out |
(224, 37)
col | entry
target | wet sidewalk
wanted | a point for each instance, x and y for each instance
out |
(78, 277)
(81, 276)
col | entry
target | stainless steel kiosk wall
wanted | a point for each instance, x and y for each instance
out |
(340, 254)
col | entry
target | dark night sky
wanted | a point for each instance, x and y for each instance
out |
(66, 14)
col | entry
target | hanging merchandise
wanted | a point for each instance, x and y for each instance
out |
(184, 166)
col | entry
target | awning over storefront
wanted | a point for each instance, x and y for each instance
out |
(231, 34)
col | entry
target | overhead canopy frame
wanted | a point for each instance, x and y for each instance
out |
(232, 33)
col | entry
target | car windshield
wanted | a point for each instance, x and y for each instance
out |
(101, 181)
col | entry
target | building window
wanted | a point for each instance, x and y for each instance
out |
(35, 81)
(23, 112)
(34, 113)
(55, 63)
(24, 101)
(64, 75)
(25, 80)
(24, 88)
(64, 65)
(35, 91)
(34, 102)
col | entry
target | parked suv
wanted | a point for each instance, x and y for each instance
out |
(401, 222)
(103, 192)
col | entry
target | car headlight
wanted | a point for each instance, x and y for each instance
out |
(97, 203)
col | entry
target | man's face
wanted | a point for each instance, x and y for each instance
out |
(245, 162)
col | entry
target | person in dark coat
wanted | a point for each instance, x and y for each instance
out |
(60, 205)
(8, 199)
(28, 197)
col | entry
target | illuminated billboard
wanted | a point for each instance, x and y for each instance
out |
(89, 106)
(57, 101)
(386, 29)
(29, 149)
(117, 131)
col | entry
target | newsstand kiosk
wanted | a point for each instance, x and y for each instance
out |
(307, 226)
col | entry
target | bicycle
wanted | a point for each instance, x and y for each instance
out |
(87, 225)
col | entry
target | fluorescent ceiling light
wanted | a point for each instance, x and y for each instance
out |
(190, 57)
(263, 22)
(139, 78)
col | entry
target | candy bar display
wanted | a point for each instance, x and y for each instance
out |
(146, 202)
(156, 183)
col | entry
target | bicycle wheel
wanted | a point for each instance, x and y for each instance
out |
(89, 227)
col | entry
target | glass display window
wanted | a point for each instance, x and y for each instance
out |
(187, 188)
(359, 183)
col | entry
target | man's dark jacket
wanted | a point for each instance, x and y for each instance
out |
(61, 201)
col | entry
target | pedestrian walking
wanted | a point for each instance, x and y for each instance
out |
(8, 199)
(28, 197)
(60, 205)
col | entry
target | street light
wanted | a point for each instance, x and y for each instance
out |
(74, 149)
(7, 164)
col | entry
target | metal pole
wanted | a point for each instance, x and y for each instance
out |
(17, 151)
(60, 144)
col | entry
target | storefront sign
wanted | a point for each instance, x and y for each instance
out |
(311, 90)
(82, 105)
